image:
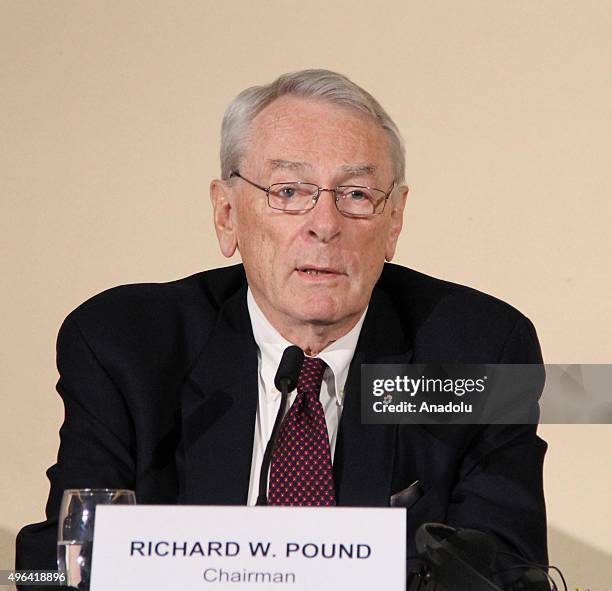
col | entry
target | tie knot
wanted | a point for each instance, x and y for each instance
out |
(311, 375)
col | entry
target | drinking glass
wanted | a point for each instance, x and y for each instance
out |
(76, 528)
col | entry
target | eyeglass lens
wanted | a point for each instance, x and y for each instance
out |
(353, 200)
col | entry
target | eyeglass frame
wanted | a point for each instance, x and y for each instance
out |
(315, 198)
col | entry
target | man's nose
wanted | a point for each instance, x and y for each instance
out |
(325, 219)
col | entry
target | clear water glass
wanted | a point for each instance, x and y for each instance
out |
(76, 528)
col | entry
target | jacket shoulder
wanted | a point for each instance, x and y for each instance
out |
(149, 316)
(205, 291)
(471, 326)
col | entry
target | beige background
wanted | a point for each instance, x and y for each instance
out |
(110, 112)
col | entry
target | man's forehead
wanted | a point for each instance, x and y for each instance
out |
(290, 114)
(304, 107)
(302, 134)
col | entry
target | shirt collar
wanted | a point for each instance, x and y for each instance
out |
(272, 344)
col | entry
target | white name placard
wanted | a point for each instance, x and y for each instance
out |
(238, 548)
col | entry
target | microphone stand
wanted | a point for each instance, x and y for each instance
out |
(262, 499)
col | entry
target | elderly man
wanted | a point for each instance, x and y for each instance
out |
(169, 388)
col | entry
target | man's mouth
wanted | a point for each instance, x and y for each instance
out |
(319, 271)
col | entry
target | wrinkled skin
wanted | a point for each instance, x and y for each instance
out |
(311, 273)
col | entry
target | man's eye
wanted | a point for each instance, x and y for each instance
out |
(357, 195)
(286, 192)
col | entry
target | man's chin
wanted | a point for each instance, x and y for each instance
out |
(327, 312)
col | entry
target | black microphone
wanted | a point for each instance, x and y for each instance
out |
(285, 380)
(289, 369)
(459, 559)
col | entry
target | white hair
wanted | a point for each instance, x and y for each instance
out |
(324, 84)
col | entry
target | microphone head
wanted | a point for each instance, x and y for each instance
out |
(477, 548)
(289, 368)
(460, 556)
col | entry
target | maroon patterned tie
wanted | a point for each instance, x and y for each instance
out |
(301, 470)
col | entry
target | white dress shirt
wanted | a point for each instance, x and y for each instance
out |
(270, 348)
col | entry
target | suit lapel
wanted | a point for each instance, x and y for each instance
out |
(363, 462)
(219, 403)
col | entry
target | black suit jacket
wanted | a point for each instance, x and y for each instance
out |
(159, 383)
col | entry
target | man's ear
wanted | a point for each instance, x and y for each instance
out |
(397, 203)
(224, 216)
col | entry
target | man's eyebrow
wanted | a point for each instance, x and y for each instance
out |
(359, 169)
(347, 169)
(278, 163)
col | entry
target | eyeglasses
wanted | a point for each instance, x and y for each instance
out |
(296, 196)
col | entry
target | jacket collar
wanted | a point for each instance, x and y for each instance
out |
(219, 403)
(363, 463)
